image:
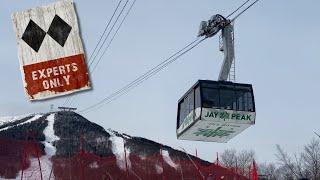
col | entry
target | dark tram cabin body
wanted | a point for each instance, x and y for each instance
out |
(215, 111)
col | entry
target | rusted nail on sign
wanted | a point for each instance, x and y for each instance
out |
(50, 51)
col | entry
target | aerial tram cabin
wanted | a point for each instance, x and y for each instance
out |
(215, 111)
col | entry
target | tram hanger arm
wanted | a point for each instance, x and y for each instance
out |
(212, 27)
(228, 50)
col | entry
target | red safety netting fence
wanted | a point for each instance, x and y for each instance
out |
(27, 160)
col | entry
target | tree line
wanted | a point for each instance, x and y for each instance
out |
(297, 166)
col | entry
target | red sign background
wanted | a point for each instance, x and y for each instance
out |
(59, 75)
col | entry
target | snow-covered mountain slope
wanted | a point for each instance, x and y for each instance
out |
(8, 119)
(68, 141)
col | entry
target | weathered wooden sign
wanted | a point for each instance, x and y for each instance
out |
(50, 51)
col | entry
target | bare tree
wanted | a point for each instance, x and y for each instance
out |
(229, 158)
(305, 164)
(270, 170)
(311, 158)
(293, 167)
(245, 159)
(285, 161)
(242, 160)
(284, 174)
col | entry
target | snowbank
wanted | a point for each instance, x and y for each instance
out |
(167, 159)
(8, 119)
(50, 136)
(118, 151)
(159, 169)
(33, 171)
(36, 117)
(94, 165)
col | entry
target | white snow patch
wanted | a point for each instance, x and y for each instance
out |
(48, 131)
(118, 151)
(100, 139)
(8, 119)
(159, 169)
(127, 136)
(36, 117)
(168, 160)
(33, 171)
(110, 131)
(94, 165)
(50, 136)
(143, 157)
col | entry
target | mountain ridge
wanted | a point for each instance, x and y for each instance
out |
(66, 136)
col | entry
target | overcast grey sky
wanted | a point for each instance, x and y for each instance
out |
(276, 50)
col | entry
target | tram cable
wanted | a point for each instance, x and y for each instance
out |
(105, 39)
(159, 67)
(69, 100)
(145, 76)
(105, 30)
(237, 9)
(220, 96)
(111, 40)
(233, 19)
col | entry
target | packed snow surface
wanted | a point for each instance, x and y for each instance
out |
(167, 159)
(94, 165)
(50, 136)
(36, 117)
(118, 151)
(33, 171)
(4, 120)
(159, 169)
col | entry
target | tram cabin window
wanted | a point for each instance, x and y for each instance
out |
(227, 99)
(216, 95)
(210, 98)
(227, 95)
(186, 106)
(197, 97)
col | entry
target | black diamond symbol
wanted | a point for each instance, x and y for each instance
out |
(59, 30)
(33, 35)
